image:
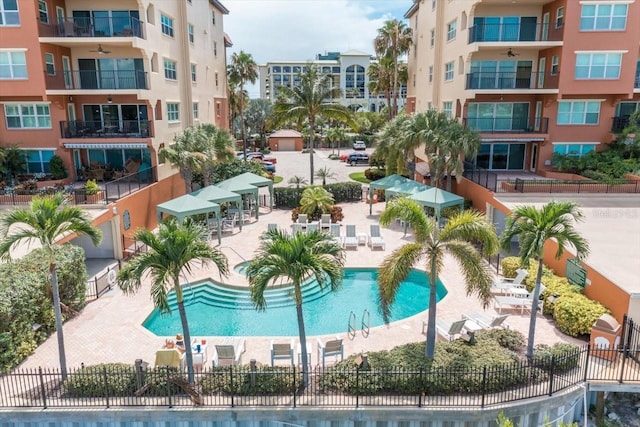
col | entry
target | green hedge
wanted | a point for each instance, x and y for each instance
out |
(560, 357)
(116, 379)
(289, 198)
(25, 300)
(238, 381)
(575, 314)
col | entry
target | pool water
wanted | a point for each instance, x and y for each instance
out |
(218, 310)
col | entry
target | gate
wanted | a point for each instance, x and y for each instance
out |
(630, 342)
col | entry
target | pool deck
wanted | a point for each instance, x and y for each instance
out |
(110, 328)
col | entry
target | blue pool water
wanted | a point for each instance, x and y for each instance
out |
(219, 310)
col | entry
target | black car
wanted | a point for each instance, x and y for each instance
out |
(358, 158)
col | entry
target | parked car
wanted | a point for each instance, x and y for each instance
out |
(268, 166)
(252, 155)
(358, 158)
(359, 145)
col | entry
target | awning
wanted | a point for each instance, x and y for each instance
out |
(106, 146)
(511, 139)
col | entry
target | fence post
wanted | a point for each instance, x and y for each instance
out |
(551, 372)
(484, 385)
(586, 363)
(43, 390)
(294, 386)
(231, 382)
(421, 387)
(357, 388)
(168, 387)
(95, 283)
(106, 385)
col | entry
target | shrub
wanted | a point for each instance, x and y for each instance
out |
(556, 287)
(289, 198)
(373, 174)
(239, 381)
(560, 357)
(56, 166)
(334, 156)
(91, 187)
(575, 314)
(507, 338)
(509, 265)
(119, 379)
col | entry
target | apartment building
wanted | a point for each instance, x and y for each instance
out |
(349, 71)
(534, 77)
(108, 81)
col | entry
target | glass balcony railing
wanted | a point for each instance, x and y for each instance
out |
(94, 27)
(106, 79)
(521, 32)
(636, 84)
(502, 80)
(100, 129)
(508, 124)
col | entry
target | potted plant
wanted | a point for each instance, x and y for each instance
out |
(56, 165)
(93, 191)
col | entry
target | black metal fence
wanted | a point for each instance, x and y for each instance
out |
(483, 177)
(253, 386)
(567, 186)
(101, 283)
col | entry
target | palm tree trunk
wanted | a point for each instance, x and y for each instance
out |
(186, 335)
(312, 124)
(187, 175)
(244, 130)
(58, 314)
(303, 343)
(534, 311)
(433, 300)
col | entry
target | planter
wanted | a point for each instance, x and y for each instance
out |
(95, 198)
(53, 183)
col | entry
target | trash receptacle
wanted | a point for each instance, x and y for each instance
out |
(605, 337)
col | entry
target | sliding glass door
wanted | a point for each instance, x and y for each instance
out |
(501, 156)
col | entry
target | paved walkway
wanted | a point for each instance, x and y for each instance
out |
(110, 328)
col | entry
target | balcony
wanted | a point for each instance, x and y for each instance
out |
(97, 129)
(112, 80)
(521, 32)
(502, 80)
(94, 27)
(507, 124)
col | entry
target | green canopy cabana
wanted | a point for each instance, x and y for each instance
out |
(406, 189)
(214, 194)
(188, 205)
(437, 199)
(240, 187)
(258, 181)
(384, 183)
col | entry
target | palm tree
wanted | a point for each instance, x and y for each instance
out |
(186, 153)
(315, 201)
(432, 244)
(324, 174)
(381, 78)
(12, 161)
(219, 148)
(393, 41)
(336, 134)
(461, 142)
(172, 251)
(533, 227)
(243, 69)
(45, 221)
(298, 257)
(298, 181)
(307, 101)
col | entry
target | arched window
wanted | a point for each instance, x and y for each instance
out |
(354, 81)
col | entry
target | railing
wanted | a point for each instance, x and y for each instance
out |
(480, 176)
(564, 186)
(636, 83)
(508, 124)
(107, 79)
(132, 248)
(98, 129)
(520, 32)
(99, 284)
(502, 80)
(117, 189)
(250, 386)
(620, 123)
(94, 27)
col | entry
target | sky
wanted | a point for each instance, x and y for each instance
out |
(273, 30)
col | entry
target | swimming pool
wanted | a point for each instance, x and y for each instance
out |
(219, 310)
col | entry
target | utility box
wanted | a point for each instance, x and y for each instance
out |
(605, 337)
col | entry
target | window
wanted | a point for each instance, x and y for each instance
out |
(9, 15)
(216, 78)
(218, 109)
(215, 48)
(448, 71)
(173, 111)
(433, 4)
(452, 27)
(447, 108)
(603, 17)
(213, 17)
(190, 32)
(13, 65)
(193, 73)
(166, 24)
(542, 65)
(170, 70)
(575, 150)
(27, 116)
(50, 64)
(195, 111)
(430, 73)
(598, 66)
(560, 17)
(432, 39)
(578, 112)
(38, 160)
(555, 60)
(43, 11)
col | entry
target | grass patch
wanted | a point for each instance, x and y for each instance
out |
(277, 179)
(359, 176)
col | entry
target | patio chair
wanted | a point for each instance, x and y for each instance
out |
(501, 302)
(351, 239)
(246, 215)
(335, 233)
(227, 225)
(282, 351)
(325, 221)
(330, 348)
(303, 219)
(506, 285)
(487, 321)
(272, 227)
(448, 331)
(312, 226)
(296, 228)
(229, 352)
(171, 357)
(375, 238)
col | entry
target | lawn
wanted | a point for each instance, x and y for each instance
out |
(359, 176)
(277, 179)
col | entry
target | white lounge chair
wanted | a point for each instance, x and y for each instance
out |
(330, 348)
(296, 228)
(351, 239)
(447, 330)
(312, 226)
(227, 225)
(510, 302)
(325, 221)
(506, 286)
(375, 238)
(282, 351)
(229, 352)
(488, 321)
(335, 233)
(303, 220)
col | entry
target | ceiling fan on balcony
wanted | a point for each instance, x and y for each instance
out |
(510, 53)
(101, 50)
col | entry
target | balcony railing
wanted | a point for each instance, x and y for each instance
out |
(98, 129)
(621, 122)
(508, 124)
(107, 79)
(636, 84)
(94, 27)
(521, 32)
(502, 80)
